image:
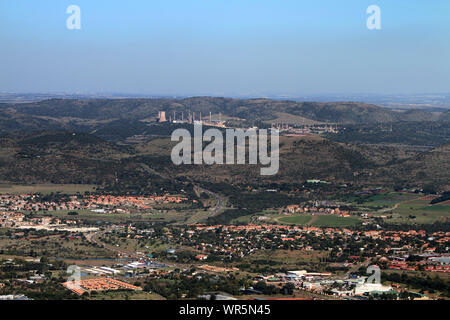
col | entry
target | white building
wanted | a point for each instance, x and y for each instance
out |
(370, 287)
(297, 273)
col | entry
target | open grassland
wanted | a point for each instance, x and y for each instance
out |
(302, 220)
(52, 246)
(385, 200)
(321, 221)
(248, 218)
(144, 245)
(243, 219)
(260, 263)
(289, 257)
(46, 188)
(299, 294)
(408, 208)
(126, 295)
(88, 215)
(420, 212)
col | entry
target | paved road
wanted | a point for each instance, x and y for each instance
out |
(396, 205)
(94, 238)
(356, 267)
(219, 199)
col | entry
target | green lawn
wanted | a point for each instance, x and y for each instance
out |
(89, 215)
(438, 208)
(335, 221)
(296, 219)
(243, 219)
(410, 210)
(126, 295)
(419, 212)
(45, 188)
(389, 199)
(321, 221)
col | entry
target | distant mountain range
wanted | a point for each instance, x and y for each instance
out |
(87, 141)
(100, 114)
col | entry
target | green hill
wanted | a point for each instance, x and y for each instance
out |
(250, 109)
(68, 157)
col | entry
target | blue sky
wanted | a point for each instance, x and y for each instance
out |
(225, 47)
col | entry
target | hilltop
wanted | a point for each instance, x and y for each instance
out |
(69, 157)
(77, 112)
(59, 157)
(430, 169)
(311, 157)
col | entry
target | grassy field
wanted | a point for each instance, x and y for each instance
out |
(420, 212)
(388, 199)
(88, 215)
(247, 219)
(321, 221)
(243, 219)
(335, 221)
(286, 259)
(303, 220)
(126, 295)
(145, 244)
(52, 246)
(405, 208)
(289, 256)
(45, 188)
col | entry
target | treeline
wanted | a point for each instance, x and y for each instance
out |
(432, 227)
(228, 215)
(425, 133)
(419, 282)
(444, 197)
(252, 201)
(191, 287)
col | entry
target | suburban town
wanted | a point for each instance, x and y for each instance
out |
(256, 259)
(225, 159)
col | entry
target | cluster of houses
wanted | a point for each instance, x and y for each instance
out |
(297, 208)
(98, 285)
(10, 219)
(12, 206)
(28, 202)
(18, 220)
(431, 262)
(32, 202)
(142, 202)
(324, 283)
(230, 241)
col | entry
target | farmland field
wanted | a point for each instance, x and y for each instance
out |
(420, 211)
(45, 188)
(51, 246)
(323, 221)
(88, 215)
(126, 295)
(388, 199)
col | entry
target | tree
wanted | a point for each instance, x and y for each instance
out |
(288, 289)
